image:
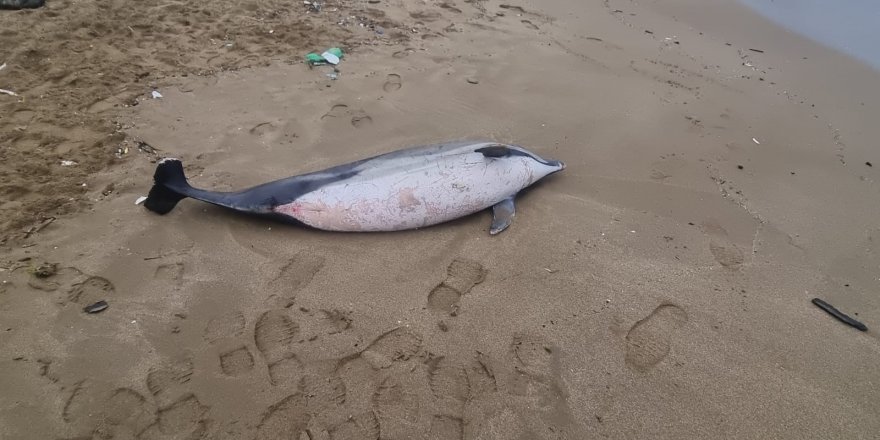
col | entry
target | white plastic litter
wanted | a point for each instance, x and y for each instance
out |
(332, 59)
(140, 200)
(156, 94)
(68, 163)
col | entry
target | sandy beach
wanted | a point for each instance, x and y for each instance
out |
(721, 173)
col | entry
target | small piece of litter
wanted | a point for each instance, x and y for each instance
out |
(840, 316)
(8, 92)
(140, 200)
(2, 66)
(331, 58)
(473, 81)
(756, 141)
(67, 163)
(99, 306)
(156, 94)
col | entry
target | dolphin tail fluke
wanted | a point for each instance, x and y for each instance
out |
(169, 187)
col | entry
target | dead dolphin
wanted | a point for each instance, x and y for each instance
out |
(404, 189)
(21, 4)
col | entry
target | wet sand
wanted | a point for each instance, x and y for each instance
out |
(659, 287)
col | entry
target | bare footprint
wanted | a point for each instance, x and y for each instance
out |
(649, 340)
(728, 255)
(461, 276)
(285, 420)
(392, 83)
(236, 362)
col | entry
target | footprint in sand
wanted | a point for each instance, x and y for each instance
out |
(91, 290)
(447, 428)
(184, 418)
(649, 340)
(361, 119)
(723, 250)
(168, 383)
(449, 385)
(229, 325)
(286, 419)
(461, 276)
(110, 412)
(48, 277)
(297, 273)
(399, 344)
(728, 255)
(403, 53)
(236, 362)
(536, 370)
(274, 334)
(323, 388)
(392, 83)
(336, 111)
(399, 407)
(363, 426)
(170, 272)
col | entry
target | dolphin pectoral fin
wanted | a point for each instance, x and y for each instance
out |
(502, 215)
(494, 151)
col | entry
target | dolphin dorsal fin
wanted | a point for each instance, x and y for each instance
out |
(496, 150)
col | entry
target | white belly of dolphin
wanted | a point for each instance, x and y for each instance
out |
(410, 197)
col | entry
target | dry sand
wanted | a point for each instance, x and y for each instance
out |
(659, 287)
